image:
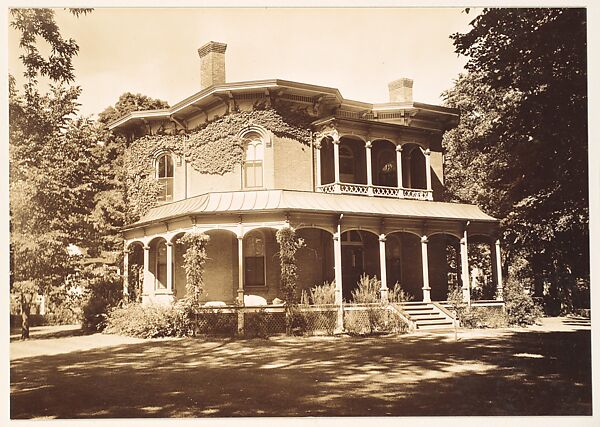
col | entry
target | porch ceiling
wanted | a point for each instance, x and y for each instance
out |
(239, 202)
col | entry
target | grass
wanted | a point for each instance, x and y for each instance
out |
(499, 372)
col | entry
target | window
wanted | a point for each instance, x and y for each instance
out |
(164, 175)
(346, 164)
(386, 169)
(253, 163)
(161, 265)
(254, 260)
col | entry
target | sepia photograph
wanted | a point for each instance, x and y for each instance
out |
(233, 213)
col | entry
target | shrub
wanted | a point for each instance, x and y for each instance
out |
(150, 321)
(319, 295)
(367, 291)
(397, 295)
(102, 291)
(484, 317)
(520, 307)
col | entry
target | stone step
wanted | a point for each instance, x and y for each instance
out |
(440, 323)
(428, 317)
(435, 327)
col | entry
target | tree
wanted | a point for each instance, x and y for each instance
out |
(129, 102)
(521, 147)
(51, 168)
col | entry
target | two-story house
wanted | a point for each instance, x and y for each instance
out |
(361, 183)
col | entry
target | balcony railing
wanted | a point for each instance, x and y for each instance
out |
(376, 190)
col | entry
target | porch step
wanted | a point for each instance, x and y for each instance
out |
(426, 315)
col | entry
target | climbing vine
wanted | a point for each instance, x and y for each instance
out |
(212, 148)
(194, 260)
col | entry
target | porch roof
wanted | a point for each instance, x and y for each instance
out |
(294, 201)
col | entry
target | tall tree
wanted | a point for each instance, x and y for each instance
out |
(51, 166)
(524, 120)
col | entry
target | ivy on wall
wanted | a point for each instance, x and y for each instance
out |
(212, 148)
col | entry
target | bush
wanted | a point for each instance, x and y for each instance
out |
(102, 291)
(319, 295)
(397, 295)
(484, 317)
(520, 307)
(150, 321)
(373, 320)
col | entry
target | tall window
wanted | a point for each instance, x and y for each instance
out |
(253, 163)
(164, 175)
(161, 265)
(386, 169)
(254, 260)
(346, 164)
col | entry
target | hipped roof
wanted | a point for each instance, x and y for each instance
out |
(244, 202)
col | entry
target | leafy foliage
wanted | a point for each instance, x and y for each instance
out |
(398, 295)
(212, 148)
(102, 292)
(521, 309)
(520, 150)
(150, 321)
(319, 295)
(194, 260)
(34, 24)
(289, 243)
(129, 102)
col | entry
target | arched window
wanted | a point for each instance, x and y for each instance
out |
(254, 259)
(386, 168)
(346, 164)
(161, 265)
(253, 162)
(164, 175)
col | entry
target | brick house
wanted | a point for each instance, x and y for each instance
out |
(363, 192)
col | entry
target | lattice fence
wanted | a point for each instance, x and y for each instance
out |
(370, 319)
(304, 320)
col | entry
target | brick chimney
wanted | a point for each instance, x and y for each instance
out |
(401, 90)
(212, 64)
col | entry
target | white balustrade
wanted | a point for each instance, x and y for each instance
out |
(378, 191)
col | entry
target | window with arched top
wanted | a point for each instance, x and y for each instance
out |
(386, 168)
(253, 162)
(164, 175)
(346, 163)
(254, 259)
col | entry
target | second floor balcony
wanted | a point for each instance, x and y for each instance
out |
(379, 168)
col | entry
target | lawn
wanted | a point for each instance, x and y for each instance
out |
(539, 371)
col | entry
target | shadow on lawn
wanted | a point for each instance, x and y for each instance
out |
(51, 334)
(516, 373)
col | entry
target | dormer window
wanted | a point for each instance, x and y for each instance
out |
(253, 162)
(164, 176)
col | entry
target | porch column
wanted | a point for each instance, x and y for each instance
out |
(382, 267)
(427, 153)
(147, 285)
(126, 274)
(337, 256)
(318, 164)
(169, 266)
(464, 266)
(499, 292)
(240, 290)
(336, 162)
(368, 146)
(426, 288)
(399, 167)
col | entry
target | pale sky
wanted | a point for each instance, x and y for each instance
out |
(358, 51)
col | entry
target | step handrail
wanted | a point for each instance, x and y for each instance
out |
(404, 316)
(446, 312)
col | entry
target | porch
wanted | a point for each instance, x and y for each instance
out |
(423, 246)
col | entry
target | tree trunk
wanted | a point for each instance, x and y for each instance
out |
(25, 310)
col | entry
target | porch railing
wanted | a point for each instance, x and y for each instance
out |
(376, 190)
